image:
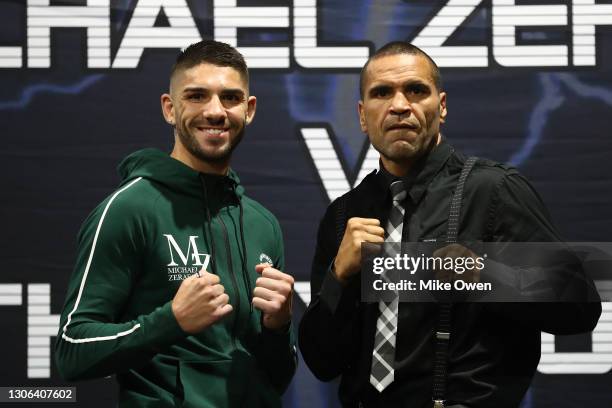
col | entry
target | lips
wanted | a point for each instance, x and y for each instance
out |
(402, 126)
(213, 132)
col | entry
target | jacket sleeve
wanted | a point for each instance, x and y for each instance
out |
(331, 321)
(277, 351)
(519, 215)
(92, 341)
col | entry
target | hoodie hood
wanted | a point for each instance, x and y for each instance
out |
(158, 166)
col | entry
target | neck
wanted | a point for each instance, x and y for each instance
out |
(220, 168)
(397, 169)
(402, 168)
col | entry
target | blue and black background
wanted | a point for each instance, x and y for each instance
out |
(65, 129)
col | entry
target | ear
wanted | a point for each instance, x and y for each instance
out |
(362, 121)
(251, 108)
(168, 109)
(443, 111)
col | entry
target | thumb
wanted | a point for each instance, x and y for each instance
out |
(224, 310)
(191, 277)
(260, 267)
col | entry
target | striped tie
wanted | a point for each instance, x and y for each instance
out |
(383, 356)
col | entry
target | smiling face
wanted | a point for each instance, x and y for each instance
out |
(401, 110)
(210, 107)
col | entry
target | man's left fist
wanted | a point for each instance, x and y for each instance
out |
(273, 295)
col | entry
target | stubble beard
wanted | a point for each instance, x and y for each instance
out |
(219, 156)
(408, 152)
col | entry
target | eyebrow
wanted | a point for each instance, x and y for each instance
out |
(419, 84)
(378, 87)
(407, 84)
(237, 91)
(415, 81)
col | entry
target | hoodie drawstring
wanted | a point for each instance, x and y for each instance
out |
(243, 254)
(208, 226)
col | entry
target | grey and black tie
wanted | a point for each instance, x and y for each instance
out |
(383, 355)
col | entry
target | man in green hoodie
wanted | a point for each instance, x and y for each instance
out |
(177, 287)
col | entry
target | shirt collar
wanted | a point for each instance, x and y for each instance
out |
(418, 179)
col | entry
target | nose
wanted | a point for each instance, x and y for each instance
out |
(399, 103)
(214, 111)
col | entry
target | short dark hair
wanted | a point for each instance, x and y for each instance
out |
(211, 52)
(400, 47)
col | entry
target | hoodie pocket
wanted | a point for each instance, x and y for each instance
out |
(213, 384)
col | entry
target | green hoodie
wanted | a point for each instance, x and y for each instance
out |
(164, 223)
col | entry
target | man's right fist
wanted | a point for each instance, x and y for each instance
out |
(358, 230)
(200, 302)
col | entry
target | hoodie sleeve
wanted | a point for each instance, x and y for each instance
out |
(278, 354)
(92, 340)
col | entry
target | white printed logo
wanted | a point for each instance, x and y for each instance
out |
(192, 260)
(263, 258)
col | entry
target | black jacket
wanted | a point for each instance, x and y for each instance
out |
(495, 347)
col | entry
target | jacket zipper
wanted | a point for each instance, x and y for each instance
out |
(234, 282)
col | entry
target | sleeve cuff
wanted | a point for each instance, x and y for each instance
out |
(276, 338)
(336, 297)
(164, 328)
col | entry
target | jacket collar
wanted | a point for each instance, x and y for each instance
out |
(418, 180)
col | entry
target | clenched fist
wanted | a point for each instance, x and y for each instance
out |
(273, 295)
(358, 230)
(200, 302)
(470, 274)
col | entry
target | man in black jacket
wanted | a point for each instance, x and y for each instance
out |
(494, 348)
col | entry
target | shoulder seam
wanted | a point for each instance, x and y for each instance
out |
(261, 210)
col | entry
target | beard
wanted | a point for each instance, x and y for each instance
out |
(219, 156)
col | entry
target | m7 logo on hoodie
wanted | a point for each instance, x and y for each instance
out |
(192, 260)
